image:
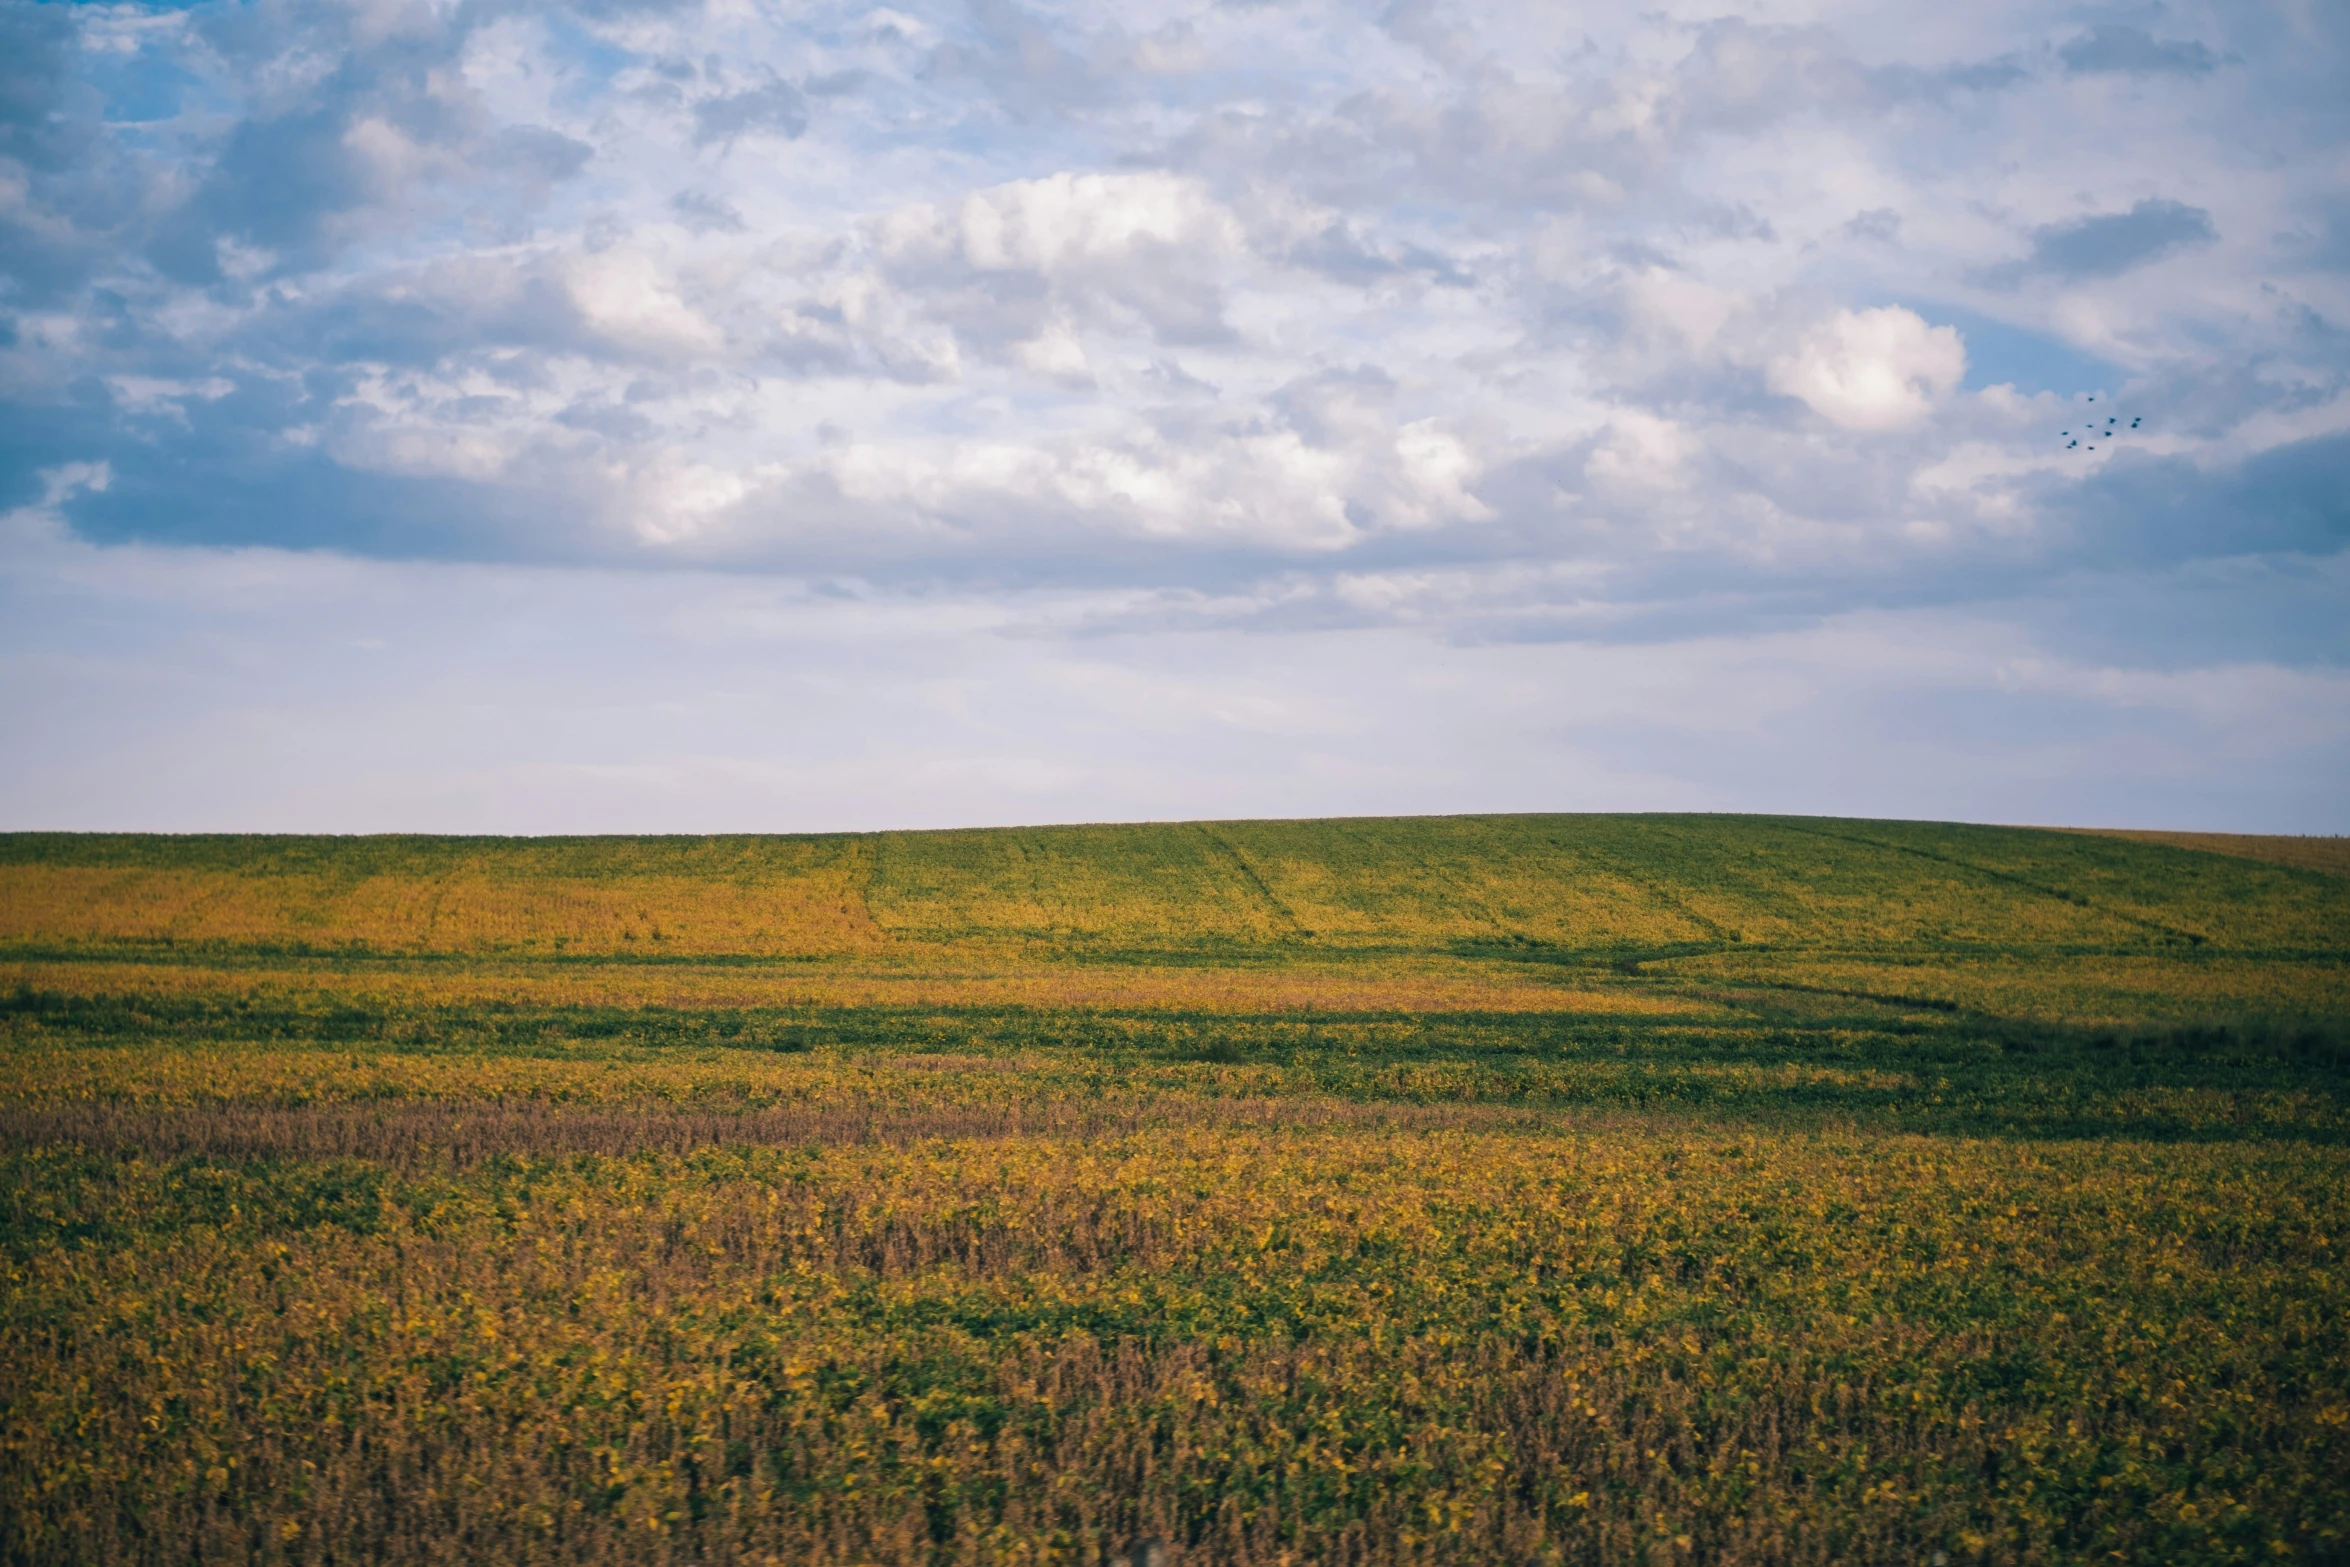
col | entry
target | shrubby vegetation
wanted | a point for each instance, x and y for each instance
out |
(1533, 1189)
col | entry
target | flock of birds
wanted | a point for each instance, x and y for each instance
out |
(2091, 434)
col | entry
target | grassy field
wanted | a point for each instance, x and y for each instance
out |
(1511, 1189)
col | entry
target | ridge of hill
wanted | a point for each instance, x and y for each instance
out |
(1578, 884)
(2305, 851)
(1608, 914)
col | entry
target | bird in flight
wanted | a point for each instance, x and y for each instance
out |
(2092, 432)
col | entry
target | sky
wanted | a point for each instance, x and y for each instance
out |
(692, 415)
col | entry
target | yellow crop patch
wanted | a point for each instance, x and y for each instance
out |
(1456, 1191)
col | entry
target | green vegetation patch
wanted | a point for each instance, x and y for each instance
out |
(1465, 1190)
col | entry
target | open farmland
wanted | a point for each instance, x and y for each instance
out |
(1511, 1189)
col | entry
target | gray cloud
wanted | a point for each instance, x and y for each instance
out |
(2290, 499)
(1422, 318)
(1028, 66)
(77, 194)
(1517, 346)
(776, 105)
(48, 120)
(2109, 244)
(2119, 50)
(705, 213)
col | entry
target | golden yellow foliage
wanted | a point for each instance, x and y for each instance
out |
(1470, 1190)
(1360, 1345)
(806, 904)
(949, 980)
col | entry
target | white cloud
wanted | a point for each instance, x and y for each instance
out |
(1684, 309)
(1622, 323)
(624, 295)
(1644, 451)
(39, 527)
(1069, 220)
(1880, 369)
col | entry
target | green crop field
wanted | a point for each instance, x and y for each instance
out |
(1541, 1189)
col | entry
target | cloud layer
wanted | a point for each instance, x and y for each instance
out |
(1497, 325)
